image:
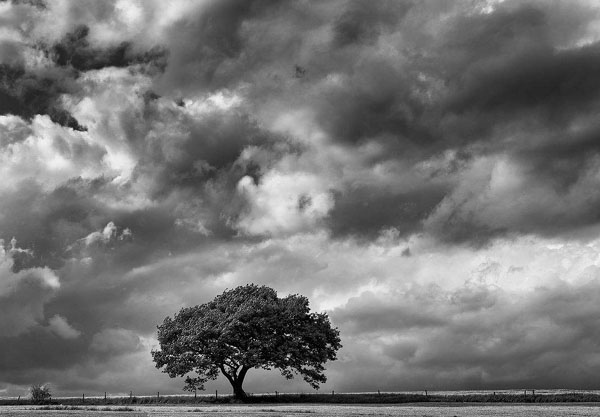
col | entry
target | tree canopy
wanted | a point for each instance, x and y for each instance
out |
(244, 328)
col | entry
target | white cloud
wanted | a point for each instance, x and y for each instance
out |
(61, 327)
(109, 233)
(284, 203)
(112, 115)
(48, 152)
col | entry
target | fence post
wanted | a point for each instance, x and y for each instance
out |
(332, 393)
(378, 393)
(105, 397)
(276, 394)
(83, 397)
(426, 394)
(195, 393)
(130, 396)
(157, 396)
(216, 394)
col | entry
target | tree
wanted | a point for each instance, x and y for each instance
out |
(244, 328)
(39, 393)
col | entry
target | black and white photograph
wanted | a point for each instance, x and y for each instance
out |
(285, 207)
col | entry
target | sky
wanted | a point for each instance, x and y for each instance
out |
(426, 172)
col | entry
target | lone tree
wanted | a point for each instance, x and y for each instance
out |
(244, 328)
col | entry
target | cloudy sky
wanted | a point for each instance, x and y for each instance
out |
(427, 173)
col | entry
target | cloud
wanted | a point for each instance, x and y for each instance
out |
(59, 326)
(75, 50)
(217, 31)
(26, 95)
(38, 74)
(48, 152)
(111, 341)
(479, 336)
(24, 294)
(106, 235)
(283, 203)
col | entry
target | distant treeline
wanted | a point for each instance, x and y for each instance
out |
(330, 398)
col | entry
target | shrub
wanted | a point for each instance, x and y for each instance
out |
(40, 393)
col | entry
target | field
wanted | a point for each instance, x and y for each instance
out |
(383, 398)
(440, 410)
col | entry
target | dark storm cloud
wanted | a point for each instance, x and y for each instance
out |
(75, 51)
(539, 82)
(23, 296)
(362, 23)
(55, 225)
(478, 337)
(366, 211)
(25, 94)
(200, 146)
(563, 157)
(513, 91)
(23, 353)
(47, 223)
(41, 4)
(377, 104)
(217, 46)
(494, 84)
(191, 158)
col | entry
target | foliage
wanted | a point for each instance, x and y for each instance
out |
(244, 328)
(40, 393)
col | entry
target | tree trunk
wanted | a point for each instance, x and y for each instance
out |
(238, 391)
(236, 380)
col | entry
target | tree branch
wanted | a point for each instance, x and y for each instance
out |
(229, 378)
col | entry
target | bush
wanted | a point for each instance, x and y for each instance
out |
(40, 393)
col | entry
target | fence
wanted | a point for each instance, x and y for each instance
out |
(524, 395)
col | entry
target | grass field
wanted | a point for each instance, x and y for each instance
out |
(439, 410)
(343, 398)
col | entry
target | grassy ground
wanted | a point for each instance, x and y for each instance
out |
(313, 410)
(383, 398)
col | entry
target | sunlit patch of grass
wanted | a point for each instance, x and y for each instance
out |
(261, 410)
(74, 407)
